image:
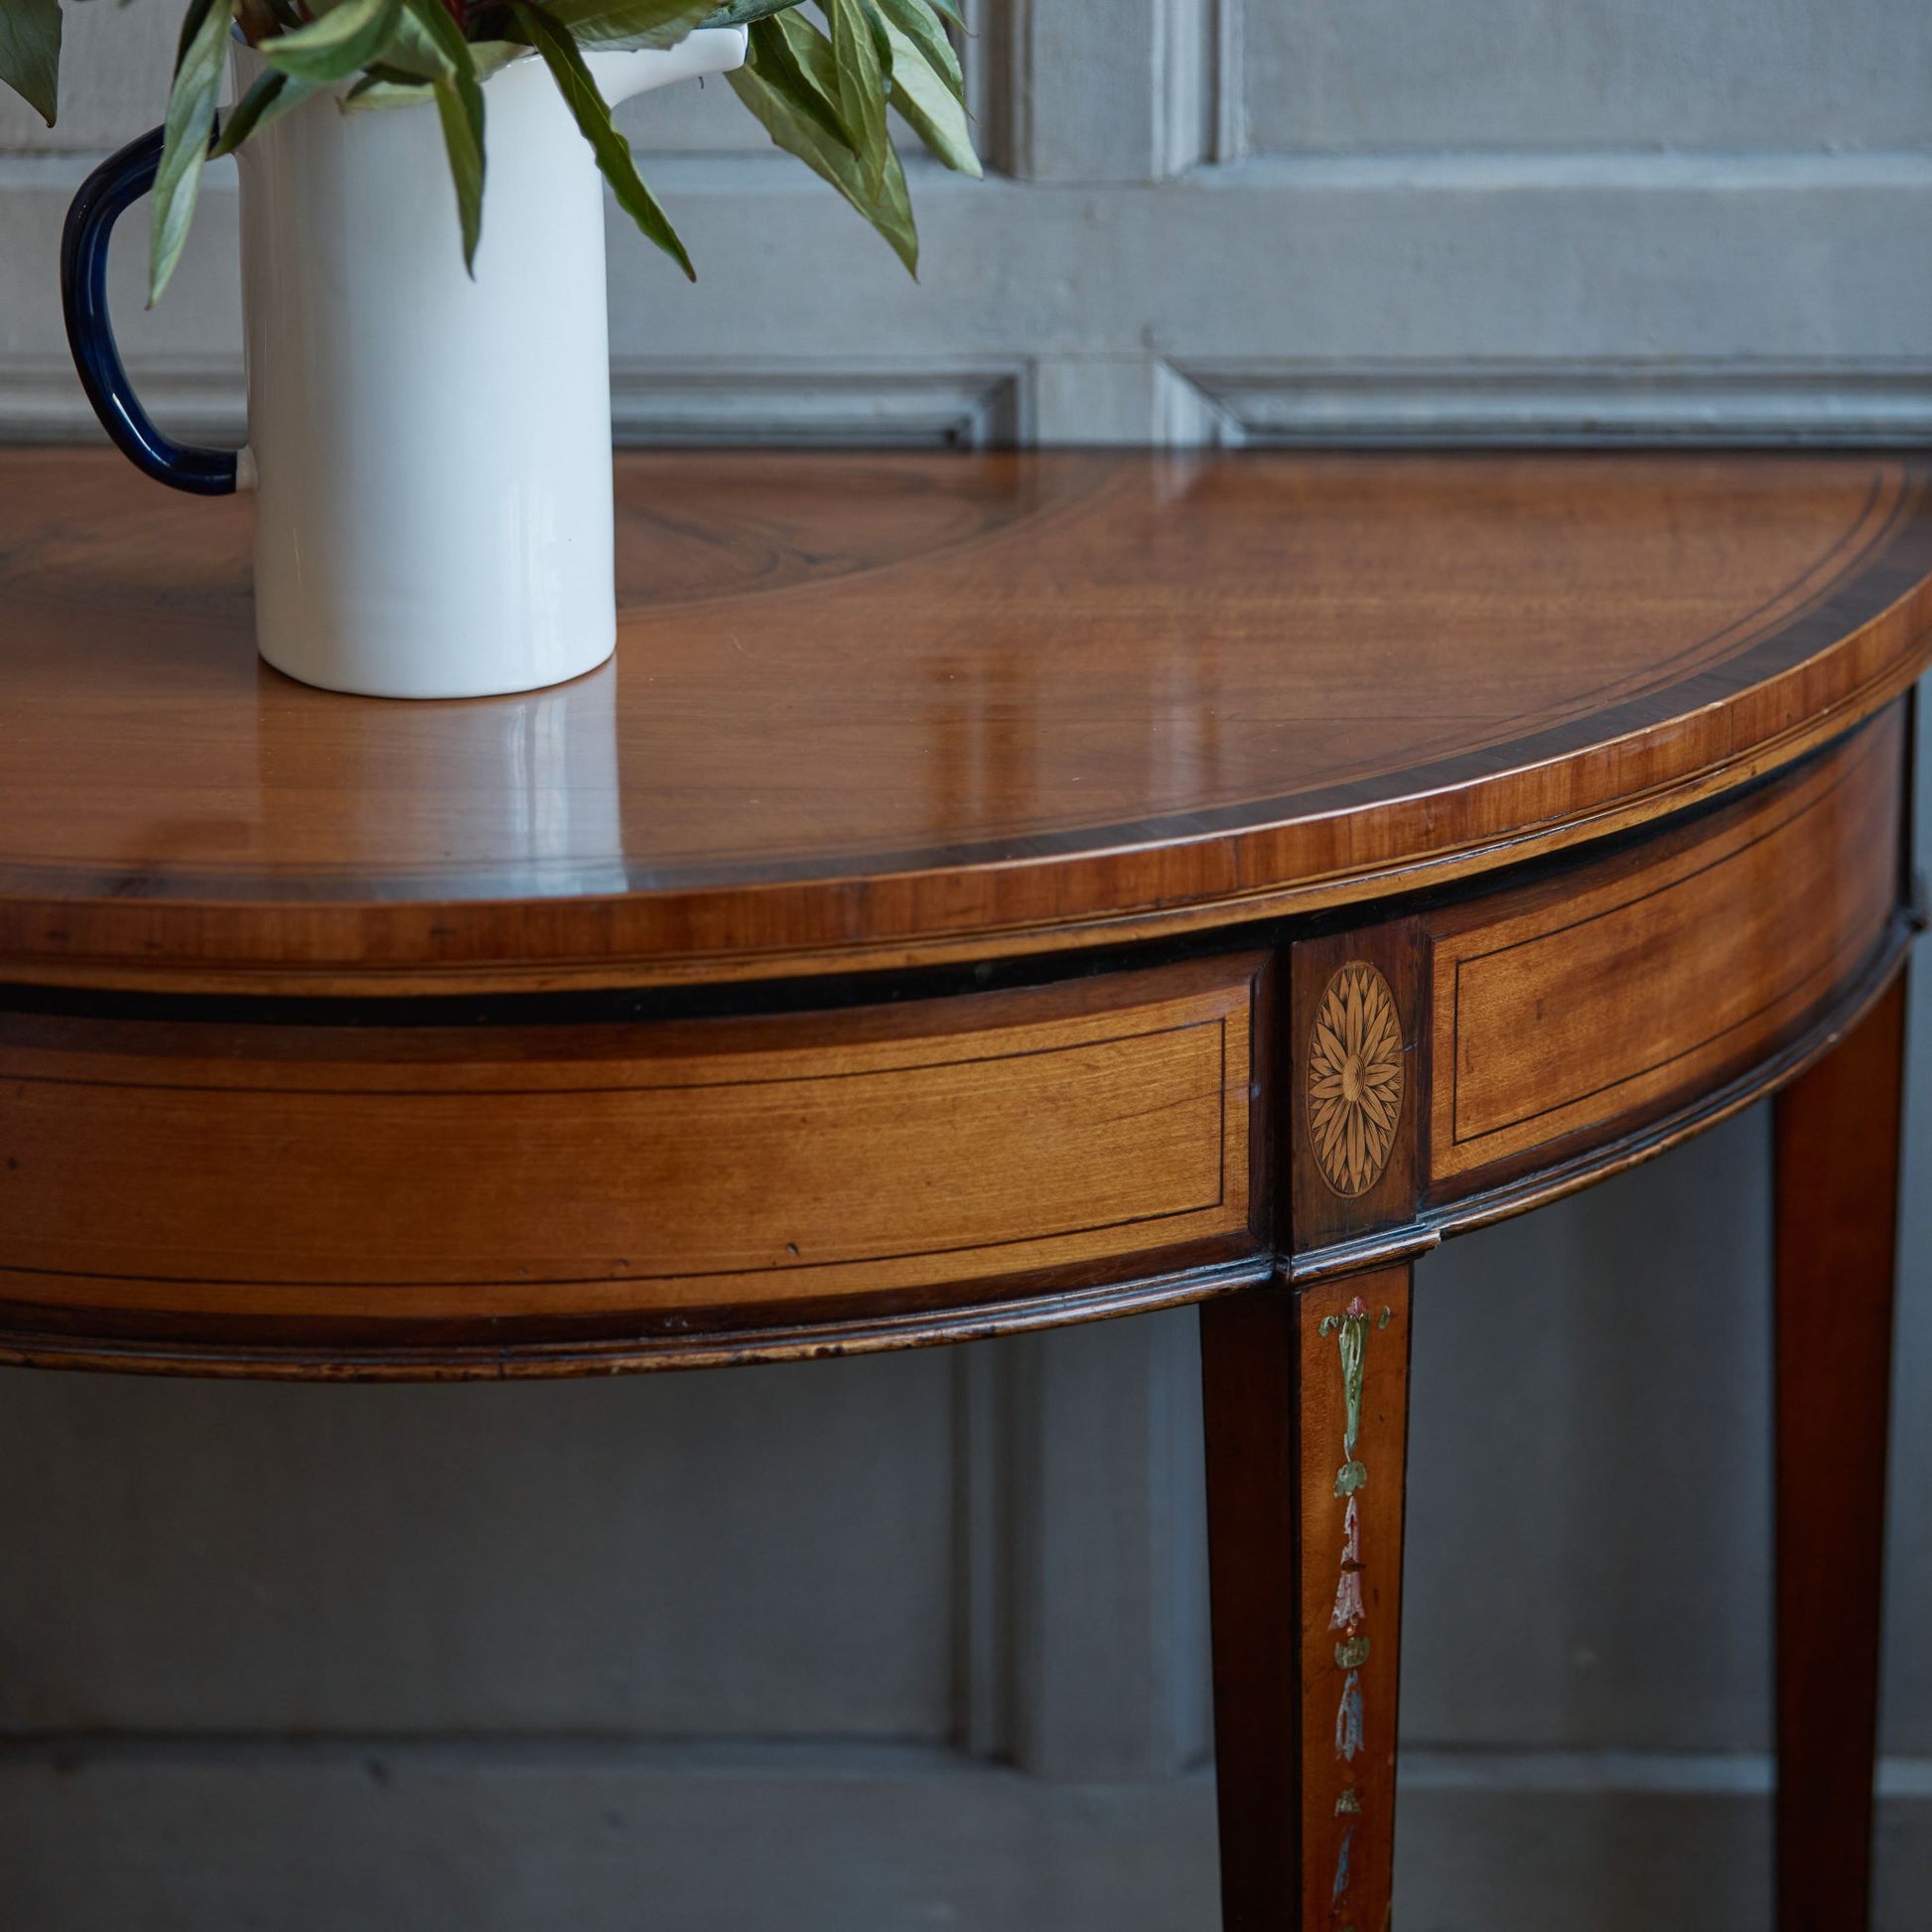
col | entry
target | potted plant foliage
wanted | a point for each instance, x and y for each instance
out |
(429, 411)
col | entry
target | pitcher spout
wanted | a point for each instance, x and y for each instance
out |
(621, 74)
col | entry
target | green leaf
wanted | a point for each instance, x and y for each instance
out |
(491, 56)
(271, 96)
(459, 108)
(185, 140)
(741, 12)
(859, 53)
(384, 86)
(386, 83)
(29, 53)
(593, 114)
(629, 23)
(413, 51)
(336, 44)
(791, 54)
(463, 143)
(415, 54)
(435, 40)
(791, 127)
(918, 23)
(932, 109)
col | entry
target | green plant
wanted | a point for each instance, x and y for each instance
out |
(820, 92)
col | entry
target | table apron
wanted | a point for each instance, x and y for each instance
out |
(215, 1193)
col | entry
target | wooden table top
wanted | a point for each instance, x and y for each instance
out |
(899, 709)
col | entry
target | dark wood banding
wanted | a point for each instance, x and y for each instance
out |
(119, 1341)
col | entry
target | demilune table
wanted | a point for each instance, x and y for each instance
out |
(988, 892)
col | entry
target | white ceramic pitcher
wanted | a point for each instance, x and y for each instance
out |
(432, 452)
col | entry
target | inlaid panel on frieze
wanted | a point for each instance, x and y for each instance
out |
(1355, 1004)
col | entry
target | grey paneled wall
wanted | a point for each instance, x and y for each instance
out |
(1223, 219)
(1750, 76)
(744, 1556)
(921, 1642)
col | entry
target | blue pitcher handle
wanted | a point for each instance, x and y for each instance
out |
(119, 182)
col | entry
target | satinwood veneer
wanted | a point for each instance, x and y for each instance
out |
(988, 892)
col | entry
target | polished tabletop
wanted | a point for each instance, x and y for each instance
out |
(885, 709)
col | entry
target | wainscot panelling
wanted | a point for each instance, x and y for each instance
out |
(1106, 1535)
(115, 67)
(610, 1838)
(765, 1554)
(918, 1642)
(1460, 295)
(1720, 75)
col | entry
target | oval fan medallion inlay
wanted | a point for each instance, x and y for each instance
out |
(1354, 1083)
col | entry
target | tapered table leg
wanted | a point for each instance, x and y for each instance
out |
(1307, 1417)
(1836, 1182)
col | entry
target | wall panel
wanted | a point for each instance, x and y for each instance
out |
(1716, 75)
